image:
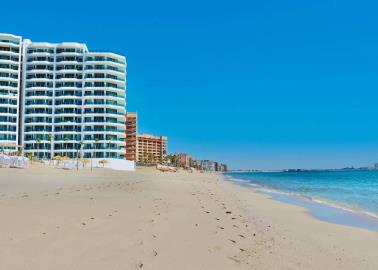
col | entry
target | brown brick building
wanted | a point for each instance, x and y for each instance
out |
(151, 149)
(131, 136)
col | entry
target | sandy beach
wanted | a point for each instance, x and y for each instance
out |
(57, 219)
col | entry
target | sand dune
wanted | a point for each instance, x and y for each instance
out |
(55, 219)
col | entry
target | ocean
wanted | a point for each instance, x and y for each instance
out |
(348, 197)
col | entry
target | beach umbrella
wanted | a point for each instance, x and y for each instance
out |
(103, 162)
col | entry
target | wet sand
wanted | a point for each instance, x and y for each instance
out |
(56, 219)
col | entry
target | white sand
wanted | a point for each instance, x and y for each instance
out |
(56, 219)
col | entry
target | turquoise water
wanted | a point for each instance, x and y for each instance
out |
(352, 191)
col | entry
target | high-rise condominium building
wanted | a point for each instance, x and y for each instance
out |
(131, 136)
(10, 83)
(71, 101)
(151, 148)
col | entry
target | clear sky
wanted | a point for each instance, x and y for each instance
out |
(256, 84)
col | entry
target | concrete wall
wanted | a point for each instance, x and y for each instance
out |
(115, 164)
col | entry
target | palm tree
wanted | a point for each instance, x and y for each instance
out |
(66, 144)
(173, 159)
(167, 159)
(20, 151)
(110, 141)
(96, 142)
(50, 138)
(78, 154)
(84, 161)
(103, 162)
(81, 143)
(151, 158)
(37, 142)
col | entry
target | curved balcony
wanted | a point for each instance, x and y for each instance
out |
(9, 62)
(41, 54)
(39, 71)
(35, 114)
(9, 44)
(38, 97)
(105, 63)
(9, 70)
(32, 62)
(9, 52)
(7, 114)
(8, 96)
(113, 72)
(8, 124)
(39, 79)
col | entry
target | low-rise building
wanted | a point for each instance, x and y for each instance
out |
(184, 160)
(151, 149)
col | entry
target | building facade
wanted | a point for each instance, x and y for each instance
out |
(10, 87)
(131, 136)
(208, 165)
(211, 166)
(184, 160)
(151, 149)
(72, 101)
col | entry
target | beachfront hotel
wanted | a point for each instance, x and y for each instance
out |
(61, 99)
(151, 149)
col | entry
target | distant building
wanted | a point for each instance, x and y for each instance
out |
(131, 136)
(151, 149)
(224, 168)
(184, 160)
(208, 165)
(217, 166)
(196, 164)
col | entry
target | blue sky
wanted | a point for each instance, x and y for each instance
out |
(256, 84)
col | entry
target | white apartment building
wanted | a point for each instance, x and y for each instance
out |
(10, 84)
(72, 101)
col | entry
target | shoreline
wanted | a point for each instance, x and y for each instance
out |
(332, 212)
(57, 219)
